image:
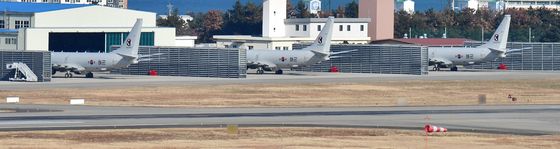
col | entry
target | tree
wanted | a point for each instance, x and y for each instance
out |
(340, 12)
(351, 10)
(302, 10)
(542, 22)
(212, 24)
(174, 20)
(290, 10)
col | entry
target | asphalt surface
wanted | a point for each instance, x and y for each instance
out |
(119, 81)
(508, 119)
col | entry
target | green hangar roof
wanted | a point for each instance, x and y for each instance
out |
(23, 7)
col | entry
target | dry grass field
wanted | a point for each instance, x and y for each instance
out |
(388, 93)
(269, 138)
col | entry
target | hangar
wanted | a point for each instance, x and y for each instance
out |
(74, 27)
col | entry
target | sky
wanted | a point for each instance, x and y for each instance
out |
(184, 6)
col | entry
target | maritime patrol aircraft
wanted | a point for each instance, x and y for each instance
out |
(274, 60)
(87, 63)
(443, 57)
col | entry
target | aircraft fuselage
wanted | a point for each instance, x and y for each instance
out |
(462, 55)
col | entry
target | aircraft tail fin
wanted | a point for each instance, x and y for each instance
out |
(322, 43)
(498, 42)
(129, 47)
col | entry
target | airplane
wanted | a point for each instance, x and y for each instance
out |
(273, 60)
(443, 57)
(87, 63)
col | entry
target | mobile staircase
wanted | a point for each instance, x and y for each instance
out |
(22, 72)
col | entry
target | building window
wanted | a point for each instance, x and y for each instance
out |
(286, 48)
(348, 28)
(297, 27)
(341, 28)
(10, 41)
(22, 24)
(2, 24)
(318, 27)
(277, 48)
(251, 47)
(304, 27)
(362, 28)
(226, 46)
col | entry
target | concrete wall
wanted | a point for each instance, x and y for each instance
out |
(10, 19)
(312, 30)
(7, 46)
(93, 16)
(274, 14)
(382, 17)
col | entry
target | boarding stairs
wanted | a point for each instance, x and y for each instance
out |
(22, 72)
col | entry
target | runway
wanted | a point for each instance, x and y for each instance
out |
(508, 119)
(119, 81)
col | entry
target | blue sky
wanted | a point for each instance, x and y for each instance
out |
(184, 6)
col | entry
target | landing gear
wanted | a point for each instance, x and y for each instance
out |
(68, 74)
(454, 68)
(436, 67)
(279, 71)
(260, 70)
(89, 75)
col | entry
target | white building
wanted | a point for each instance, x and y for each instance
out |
(473, 4)
(280, 33)
(74, 27)
(505, 4)
(109, 3)
(185, 41)
(408, 6)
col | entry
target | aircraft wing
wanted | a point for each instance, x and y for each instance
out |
(69, 67)
(441, 61)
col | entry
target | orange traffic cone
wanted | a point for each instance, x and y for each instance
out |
(431, 129)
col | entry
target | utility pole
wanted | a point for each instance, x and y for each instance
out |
(482, 35)
(530, 36)
(410, 31)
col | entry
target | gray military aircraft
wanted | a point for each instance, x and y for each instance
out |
(443, 57)
(273, 60)
(87, 63)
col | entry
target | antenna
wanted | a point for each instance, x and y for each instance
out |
(169, 9)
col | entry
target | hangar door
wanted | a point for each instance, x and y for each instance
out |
(77, 42)
(113, 39)
(92, 42)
